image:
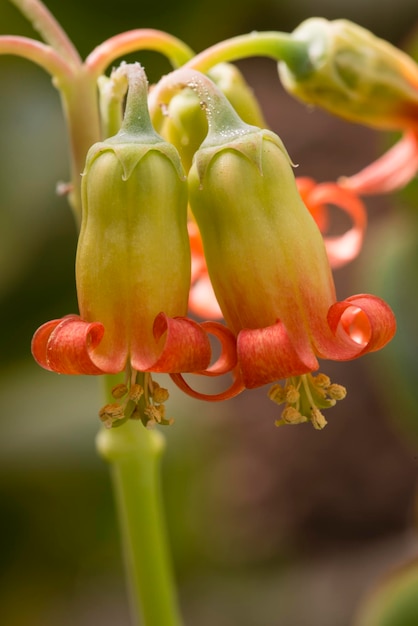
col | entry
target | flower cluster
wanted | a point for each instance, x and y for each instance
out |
(188, 205)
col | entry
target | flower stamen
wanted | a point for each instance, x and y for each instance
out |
(143, 402)
(304, 396)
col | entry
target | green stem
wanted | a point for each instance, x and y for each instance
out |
(277, 45)
(134, 454)
(174, 49)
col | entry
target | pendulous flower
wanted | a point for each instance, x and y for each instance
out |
(270, 272)
(132, 272)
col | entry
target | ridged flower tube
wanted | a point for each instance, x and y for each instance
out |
(269, 268)
(132, 268)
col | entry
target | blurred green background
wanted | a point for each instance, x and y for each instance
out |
(269, 526)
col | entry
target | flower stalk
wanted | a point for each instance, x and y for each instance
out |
(134, 454)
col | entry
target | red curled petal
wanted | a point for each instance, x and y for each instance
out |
(185, 345)
(367, 320)
(65, 345)
(228, 357)
(233, 390)
(390, 172)
(267, 354)
(346, 247)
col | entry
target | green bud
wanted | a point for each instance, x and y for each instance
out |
(353, 74)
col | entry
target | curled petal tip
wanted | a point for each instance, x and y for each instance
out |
(65, 345)
(186, 347)
(366, 320)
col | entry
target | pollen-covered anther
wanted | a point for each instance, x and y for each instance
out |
(111, 413)
(135, 392)
(160, 394)
(277, 394)
(292, 394)
(291, 415)
(336, 392)
(322, 380)
(317, 419)
(119, 391)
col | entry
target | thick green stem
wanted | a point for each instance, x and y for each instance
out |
(134, 455)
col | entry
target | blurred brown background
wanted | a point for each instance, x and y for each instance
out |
(269, 526)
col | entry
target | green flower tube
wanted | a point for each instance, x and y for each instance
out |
(133, 258)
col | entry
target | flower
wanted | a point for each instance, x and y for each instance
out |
(133, 275)
(269, 270)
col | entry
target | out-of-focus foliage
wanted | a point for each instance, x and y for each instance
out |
(394, 601)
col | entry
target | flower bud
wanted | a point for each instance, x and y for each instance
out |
(351, 73)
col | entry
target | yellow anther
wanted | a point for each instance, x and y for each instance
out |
(277, 394)
(292, 394)
(111, 413)
(317, 419)
(322, 380)
(119, 391)
(160, 395)
(114, 411)
(135, 392)
(291, 416)
(336, 392)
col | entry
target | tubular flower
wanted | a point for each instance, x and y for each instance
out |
(271, 276)
(133, 276)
